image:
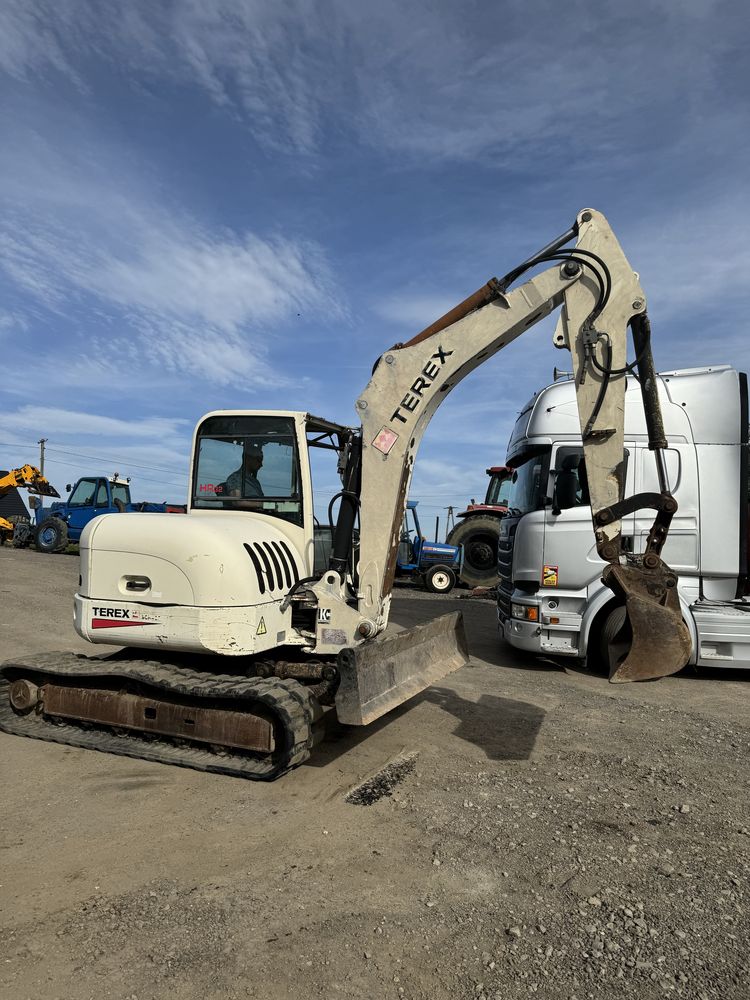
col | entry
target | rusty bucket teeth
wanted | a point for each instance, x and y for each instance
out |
(654, 642)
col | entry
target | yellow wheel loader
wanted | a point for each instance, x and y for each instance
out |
(246, 620)
(27, 477)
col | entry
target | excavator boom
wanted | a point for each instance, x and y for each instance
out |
(600, 297)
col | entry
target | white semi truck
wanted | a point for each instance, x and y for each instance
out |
(551, 599)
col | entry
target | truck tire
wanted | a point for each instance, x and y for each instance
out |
(615, 637)
(52, 535)
(479, 536)
(440, 579)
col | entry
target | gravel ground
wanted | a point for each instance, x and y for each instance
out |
(519, 830)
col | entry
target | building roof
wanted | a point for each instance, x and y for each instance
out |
(11, 504)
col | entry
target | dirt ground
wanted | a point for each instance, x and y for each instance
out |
(545, 834)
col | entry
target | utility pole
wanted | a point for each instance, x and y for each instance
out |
(41, 442)
(449, 522)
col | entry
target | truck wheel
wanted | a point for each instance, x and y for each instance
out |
(52, 535)
(479, 536)
(440, 579)
(615, 638)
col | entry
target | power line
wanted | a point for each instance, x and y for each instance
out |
(97, 458)
(118, 461)
(145, 479)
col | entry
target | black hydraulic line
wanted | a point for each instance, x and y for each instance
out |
(504, 283)
(641, 328)
(602, 390)
(344, 531)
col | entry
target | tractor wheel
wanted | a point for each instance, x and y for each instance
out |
(440, 579)
(52, 535)
(479, 536)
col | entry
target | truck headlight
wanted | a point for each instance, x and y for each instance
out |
(527, 612)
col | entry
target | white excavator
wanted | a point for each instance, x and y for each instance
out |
(246, 621)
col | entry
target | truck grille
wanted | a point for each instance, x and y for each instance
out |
(505, 566)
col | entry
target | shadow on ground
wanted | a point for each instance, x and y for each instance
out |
(502, 728)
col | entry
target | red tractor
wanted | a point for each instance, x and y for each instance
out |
(479, 529)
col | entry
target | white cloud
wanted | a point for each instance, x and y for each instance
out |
(12, 322)
(423, 78)
(41, 419)
(80, 231)
(413, 310)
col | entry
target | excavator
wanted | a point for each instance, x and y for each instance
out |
(247, 621)
(27, 477)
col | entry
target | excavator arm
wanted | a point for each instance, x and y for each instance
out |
(600, 297)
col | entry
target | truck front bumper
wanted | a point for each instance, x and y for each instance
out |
(543, 636)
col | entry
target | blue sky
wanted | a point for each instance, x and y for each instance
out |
(229, 203)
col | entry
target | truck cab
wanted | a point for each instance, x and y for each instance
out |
(551, 599)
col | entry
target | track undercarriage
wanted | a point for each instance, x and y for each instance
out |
(255, 727)
(257, 722)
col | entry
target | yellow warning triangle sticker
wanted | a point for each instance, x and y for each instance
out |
(261, 628)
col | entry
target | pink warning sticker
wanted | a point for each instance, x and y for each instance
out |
(385, 440)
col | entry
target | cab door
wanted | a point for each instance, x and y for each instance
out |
(681, 550)
(571, 561)
(82, 504)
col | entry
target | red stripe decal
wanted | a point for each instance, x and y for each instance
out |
(117, 623)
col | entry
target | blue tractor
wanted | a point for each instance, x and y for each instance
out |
(60, 523)
(439, 565)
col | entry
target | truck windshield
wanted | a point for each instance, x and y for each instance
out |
(248, 463)
(528, 482)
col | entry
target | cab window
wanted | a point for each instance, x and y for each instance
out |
(83, 494)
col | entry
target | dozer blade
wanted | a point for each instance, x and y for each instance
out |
(380, 675)
(654, 641)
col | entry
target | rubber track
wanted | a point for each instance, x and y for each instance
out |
(287, 700)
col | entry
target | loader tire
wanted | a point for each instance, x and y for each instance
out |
(479, 536)
(440, 579)
(21, 535)
(52, 535)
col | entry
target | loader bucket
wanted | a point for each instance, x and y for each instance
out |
(43, 489)
(380, 675)
(654, 641)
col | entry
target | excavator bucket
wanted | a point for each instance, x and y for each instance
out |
(380, 675)
(654, 640)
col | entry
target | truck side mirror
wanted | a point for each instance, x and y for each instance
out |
(35, 503)
(67, 487)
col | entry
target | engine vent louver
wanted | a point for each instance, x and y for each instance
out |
(275, 565)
